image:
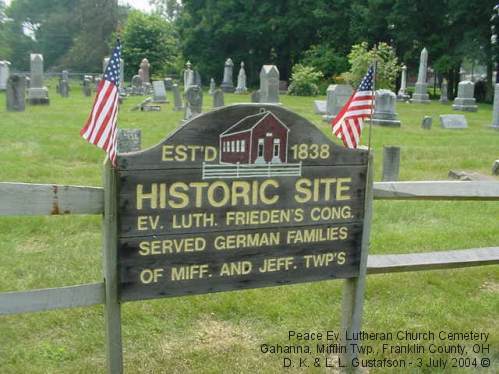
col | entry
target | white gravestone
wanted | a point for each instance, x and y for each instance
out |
(495, 113)
(37, 93)
(177, 99)
(4, 74)
(213, 86)
(465, 100)
(453, 121)
(402, 94)
(337, 96)
(269, 84)
(159, 92)
(320, 107)
(188, 76)
(384, 109)
(241, 80)
(421, 93)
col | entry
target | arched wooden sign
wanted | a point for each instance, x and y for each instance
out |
(241, 197)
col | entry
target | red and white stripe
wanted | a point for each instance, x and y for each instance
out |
(347, 125)
(100, 128)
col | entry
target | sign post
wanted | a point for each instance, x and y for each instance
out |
(354, 288)
(112, 308)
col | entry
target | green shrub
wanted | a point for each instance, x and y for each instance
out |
(304, 81)
(387, 67)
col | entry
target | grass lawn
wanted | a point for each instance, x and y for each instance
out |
(222, 333)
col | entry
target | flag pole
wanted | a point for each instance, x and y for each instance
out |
(375, 68)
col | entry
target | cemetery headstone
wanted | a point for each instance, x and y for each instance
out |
(4, 74)
(150, 108)
(337, 96)
(159, 92)
(453, 121)
(188, 76)
(129, 140)
(443, 92)
(137, 88)
(269, 84)
(37, 93)
(384, 109)
(168, 83)
(87, 86)
(391, 163)
(255, 96)
(218, 98)
(241, 80)
(144, 71)
(227, 83)
(177, 98)
(465, 100)
(495, 113)
(426, 123)
(16, 90)
(402, 94)
(421, 93)
(64, 88)
(193, 102)
(320, 107)
(495, 168)
(213, 87)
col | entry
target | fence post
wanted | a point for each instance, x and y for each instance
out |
(354, 288)
(110, 258)
(391, 163)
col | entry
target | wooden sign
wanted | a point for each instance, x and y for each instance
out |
(241, 197)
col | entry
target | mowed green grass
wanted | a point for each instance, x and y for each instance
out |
(222, 333)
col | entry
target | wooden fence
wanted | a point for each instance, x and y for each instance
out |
(25, 199)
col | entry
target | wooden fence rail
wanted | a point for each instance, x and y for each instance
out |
(94, 293)
(20, 199)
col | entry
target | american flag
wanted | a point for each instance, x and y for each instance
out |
(347, 125)
(100, 128)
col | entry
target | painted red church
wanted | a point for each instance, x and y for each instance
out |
(258, 139)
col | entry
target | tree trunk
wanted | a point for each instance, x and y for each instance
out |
(489, 86)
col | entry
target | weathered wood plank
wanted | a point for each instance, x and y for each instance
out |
(381, 264)
(436, 190)
(112, 310)
(51, 298)
(21, 199)
(354, 289)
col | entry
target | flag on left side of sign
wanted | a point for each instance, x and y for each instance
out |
(100, 127)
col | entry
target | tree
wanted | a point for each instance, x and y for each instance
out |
(169, 9)
(97, 21)
(69, 33)
(261, 32)
(387, 67)
(151, 37)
